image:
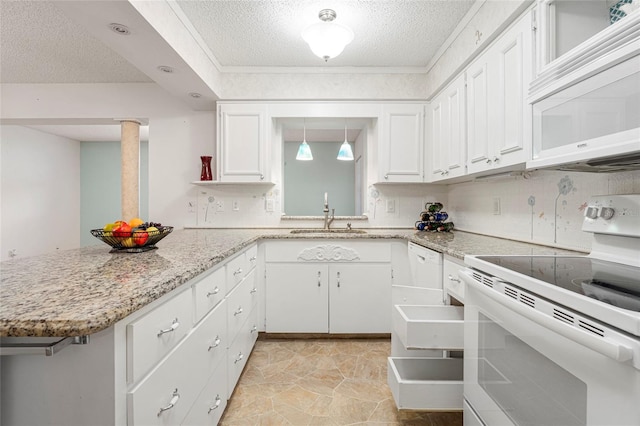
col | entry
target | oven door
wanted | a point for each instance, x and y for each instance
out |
(520, 372)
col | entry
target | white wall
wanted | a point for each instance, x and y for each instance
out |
(547, 208)
(40, 194)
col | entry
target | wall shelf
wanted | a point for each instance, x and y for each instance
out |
(217, 182)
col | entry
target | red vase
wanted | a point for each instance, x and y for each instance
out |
(205, 174)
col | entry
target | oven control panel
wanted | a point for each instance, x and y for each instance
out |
(613, 214)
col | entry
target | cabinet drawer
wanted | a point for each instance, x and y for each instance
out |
(240, 303)
(236, 269)
(209, 291)
(429, 326)
(211, 340)
(152, 336)
(208, 408)
(166, 395)
(426, 383)
(328, 251)
(240, 349)
(453, 285)
(252, 257)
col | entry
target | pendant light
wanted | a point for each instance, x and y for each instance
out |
(345, 153)
(304, 150)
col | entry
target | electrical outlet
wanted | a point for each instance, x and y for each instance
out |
(235, 206)
(391, 206)
(220, 206)
(496, 206)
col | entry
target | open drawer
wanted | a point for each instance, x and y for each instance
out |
(429, 326)
(426, 383)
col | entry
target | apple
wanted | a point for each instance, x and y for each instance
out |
(122, 231)
(140, 237)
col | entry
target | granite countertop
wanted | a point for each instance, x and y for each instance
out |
(83, 291)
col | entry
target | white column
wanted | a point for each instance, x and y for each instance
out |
(130, 168)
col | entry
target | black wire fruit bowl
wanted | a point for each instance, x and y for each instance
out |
(137, 241)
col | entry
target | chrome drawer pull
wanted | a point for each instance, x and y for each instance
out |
(216, 405)
(214, 292)
(173, 327)
(456, 280)
(238, 271)
(240, 357)
(318, 278)
(338, 279)
(238, 312)
(254, 329)
(172, 403)
(215, 343)
(253, 291)
(252, 259)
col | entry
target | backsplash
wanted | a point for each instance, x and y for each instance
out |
(546, 207)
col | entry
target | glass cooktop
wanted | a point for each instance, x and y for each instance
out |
(609, 282)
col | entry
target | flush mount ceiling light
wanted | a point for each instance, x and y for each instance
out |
(327, 39)
(119, 28)
(345, 153)
(304, 150)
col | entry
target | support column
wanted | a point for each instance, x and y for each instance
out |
(130, 168)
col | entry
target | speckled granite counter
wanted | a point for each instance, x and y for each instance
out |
(83, 291)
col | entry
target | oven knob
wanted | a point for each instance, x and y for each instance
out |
(591, 212)
(606, 213)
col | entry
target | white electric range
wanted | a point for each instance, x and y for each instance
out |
(555, 340)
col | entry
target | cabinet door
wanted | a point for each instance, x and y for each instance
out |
(297, 298)
(478, 115)
(242, 143)
(359, 297)
(402, 141)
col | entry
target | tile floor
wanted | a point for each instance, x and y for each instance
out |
(321, 382)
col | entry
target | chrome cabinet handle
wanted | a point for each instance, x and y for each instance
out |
(254, 329)
(253, 290)
(215, 344)
(488, 161)
(239, 358)
(238, 271)
(496, 159)
(456, 280)
(214, 292)
(253, 258)
(238, 312)
(216, 405)
(338, 279)
(386, 176)
(174, 400)
(261, 177)
(174, 325)
(319, 282)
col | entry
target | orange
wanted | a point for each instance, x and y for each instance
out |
(135, 222)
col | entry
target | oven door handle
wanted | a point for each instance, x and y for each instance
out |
(613, 350)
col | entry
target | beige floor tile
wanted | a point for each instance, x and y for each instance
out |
(317, 382)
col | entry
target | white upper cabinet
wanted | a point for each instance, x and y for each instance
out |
(499, 118)
(446, 133)
(243, 131)
(401, 143)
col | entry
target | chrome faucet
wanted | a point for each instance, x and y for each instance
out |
(327, 219)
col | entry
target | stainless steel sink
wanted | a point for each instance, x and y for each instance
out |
(328, 231)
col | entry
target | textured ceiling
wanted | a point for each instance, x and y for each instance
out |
(39, 44)
(388, 33)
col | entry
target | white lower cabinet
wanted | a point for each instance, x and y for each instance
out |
(453, 285)
(208, 408)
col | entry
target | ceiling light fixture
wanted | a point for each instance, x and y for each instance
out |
(327, 39)
(345, 153)
(119, 28)
(304, 150)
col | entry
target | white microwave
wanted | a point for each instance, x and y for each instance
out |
(593, 125)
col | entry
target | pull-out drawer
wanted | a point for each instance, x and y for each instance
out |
(152, 336)
(426, 383)
(240, 303)
(429, 326)
(209, 292)
(236, 270)
(251, 257)
(453, 285)
(208, 408)
(211, 340)
(240, 349)
(410, 295)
